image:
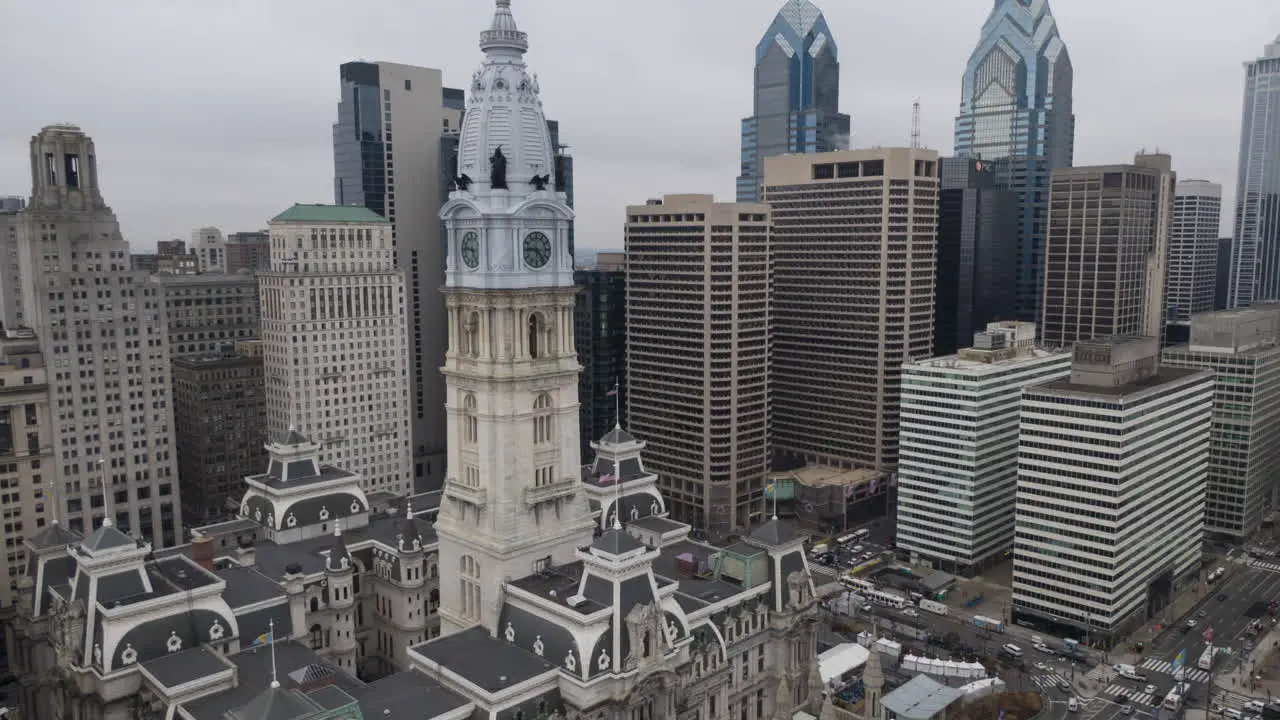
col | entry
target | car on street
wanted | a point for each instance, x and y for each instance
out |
(1041, 666)
(1121, 699)
(1222, 596)
(1191, 622)
(866, 608)
(911, 612)
(1074, 705)
(1126, 709)
(1150, 689)
(1043, 648)
(1063, 685)
(1203, 613)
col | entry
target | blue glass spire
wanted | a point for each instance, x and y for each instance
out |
(1015, 110)
(797, 92)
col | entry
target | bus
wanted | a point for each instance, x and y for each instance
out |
(933, 606)
(888, 599)
(986, 623)
(857, 583)
(862, 534)
(1206, 659)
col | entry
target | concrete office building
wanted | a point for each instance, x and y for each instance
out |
(393, 121)
(1255, 266)
(958, 447)
(1242, 349)
(1106, 250)
(977, 253)
(335, 341)
(698, 278)
(29, 493)
(1193, 250)
(220, 420)
(600, 332)
(208, 312)
(1112, 465)
(210, 249)
(248, 251)
(10, 282)
(105, 339)
(796, 106)
(1016, 112)
(854, 253)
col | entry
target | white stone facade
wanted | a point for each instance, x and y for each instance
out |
(511, 497)
(104, 337)
(958, 448)
(335, 341)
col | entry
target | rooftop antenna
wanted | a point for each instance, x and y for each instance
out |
(106, 493)
(915, 124)
(617, 496)
(617, 405)
(271, 642)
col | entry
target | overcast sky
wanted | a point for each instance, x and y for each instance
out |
(220, 113)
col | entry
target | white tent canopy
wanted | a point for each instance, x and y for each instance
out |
(841, 659)
(944, 668)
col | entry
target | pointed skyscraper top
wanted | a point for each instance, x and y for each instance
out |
(801, 15)
(503, 35)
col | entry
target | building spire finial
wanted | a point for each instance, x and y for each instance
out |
(503, 35)
(271, 641)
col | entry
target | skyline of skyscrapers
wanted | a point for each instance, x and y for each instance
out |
(1256, 235)
(1016, 111)
(796, 95)
(1193, 250)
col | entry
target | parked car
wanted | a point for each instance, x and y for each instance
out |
(1150, 689)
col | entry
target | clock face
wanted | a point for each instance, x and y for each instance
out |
(537, 250)
(471, 250)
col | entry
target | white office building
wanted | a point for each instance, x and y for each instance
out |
(1192, 272)
(210, 249)
(958, 457)
(1242, 349)
(1112, 465)
(335, 341)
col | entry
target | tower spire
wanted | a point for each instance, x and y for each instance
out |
(503, 37)
(271, 643)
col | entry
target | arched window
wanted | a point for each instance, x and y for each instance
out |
(315, 604)
(317, 637)
(538, 345)
(469, 581)
(470, 421)
(542, 419)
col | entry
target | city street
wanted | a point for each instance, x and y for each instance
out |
(1244, 590)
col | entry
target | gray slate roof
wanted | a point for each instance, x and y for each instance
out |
(105, 538)
(920, 698)
(253, 673)
(276, 703)
(774, 533)
(616, 542)
(248, 586)
(53, 535)
(292, 437)
(186, 666)
(617, 436)
(408, 694)
(483, 660)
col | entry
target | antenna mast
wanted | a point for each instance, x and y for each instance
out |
(915, 124)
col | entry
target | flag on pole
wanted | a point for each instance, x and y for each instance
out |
(613, 392)
(1180, 660)
(264, 638)
(1208, 634)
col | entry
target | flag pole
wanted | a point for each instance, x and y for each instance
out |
(271, 642)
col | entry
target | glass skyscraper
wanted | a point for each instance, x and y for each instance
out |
(797, 92)
(1255, 248)
(1015, 111)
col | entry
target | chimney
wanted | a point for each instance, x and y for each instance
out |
(245, 554)
(202, 549)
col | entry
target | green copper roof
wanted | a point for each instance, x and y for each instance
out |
(329, 214)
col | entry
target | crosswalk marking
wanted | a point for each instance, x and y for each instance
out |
(1102, 673)
(1046, 681)
(1226, 698)
(825, 570)
(1135, 696)
(1166, 667)
(1273, 567)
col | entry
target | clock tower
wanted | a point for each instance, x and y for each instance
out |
(512, 502)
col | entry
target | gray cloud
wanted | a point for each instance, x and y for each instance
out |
(220, 113)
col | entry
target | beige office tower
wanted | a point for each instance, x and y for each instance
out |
(29, 482)
(855, 241)
(1106, 250)
(698, 353)
(104, 336)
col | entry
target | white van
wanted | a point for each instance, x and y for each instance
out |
(1232, 713)
(1073, 705)
(1012, 650)
(1037, 640)
(1254, 706)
